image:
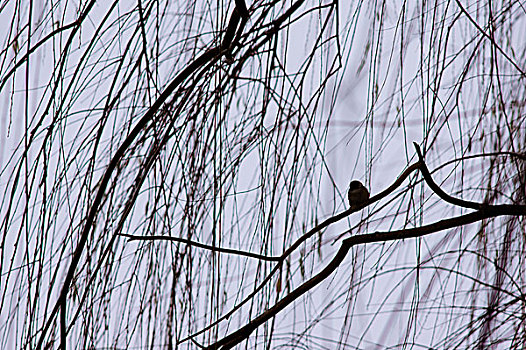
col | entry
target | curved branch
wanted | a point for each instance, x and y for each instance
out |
(206, 57)
(432, 184)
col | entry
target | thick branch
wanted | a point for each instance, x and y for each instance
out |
(242, 8)
(429, 180)
(244, 332)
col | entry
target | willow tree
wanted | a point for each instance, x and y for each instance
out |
(174, 174)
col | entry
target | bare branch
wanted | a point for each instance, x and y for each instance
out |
(201, 245)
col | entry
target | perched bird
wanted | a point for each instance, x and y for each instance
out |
(357, 193)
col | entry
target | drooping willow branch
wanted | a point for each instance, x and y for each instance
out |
(486, 35)
(75, 25)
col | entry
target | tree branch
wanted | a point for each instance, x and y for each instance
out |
(201, 245)
(299, 241)
(235, 338)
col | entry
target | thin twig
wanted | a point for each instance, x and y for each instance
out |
(201, 245)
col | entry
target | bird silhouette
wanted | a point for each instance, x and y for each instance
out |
(357, 193)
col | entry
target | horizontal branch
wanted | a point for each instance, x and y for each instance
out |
(244, 332)
(201, 245)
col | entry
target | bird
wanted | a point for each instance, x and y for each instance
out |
(357, 193)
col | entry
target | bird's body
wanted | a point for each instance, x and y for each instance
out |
(357, 193)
